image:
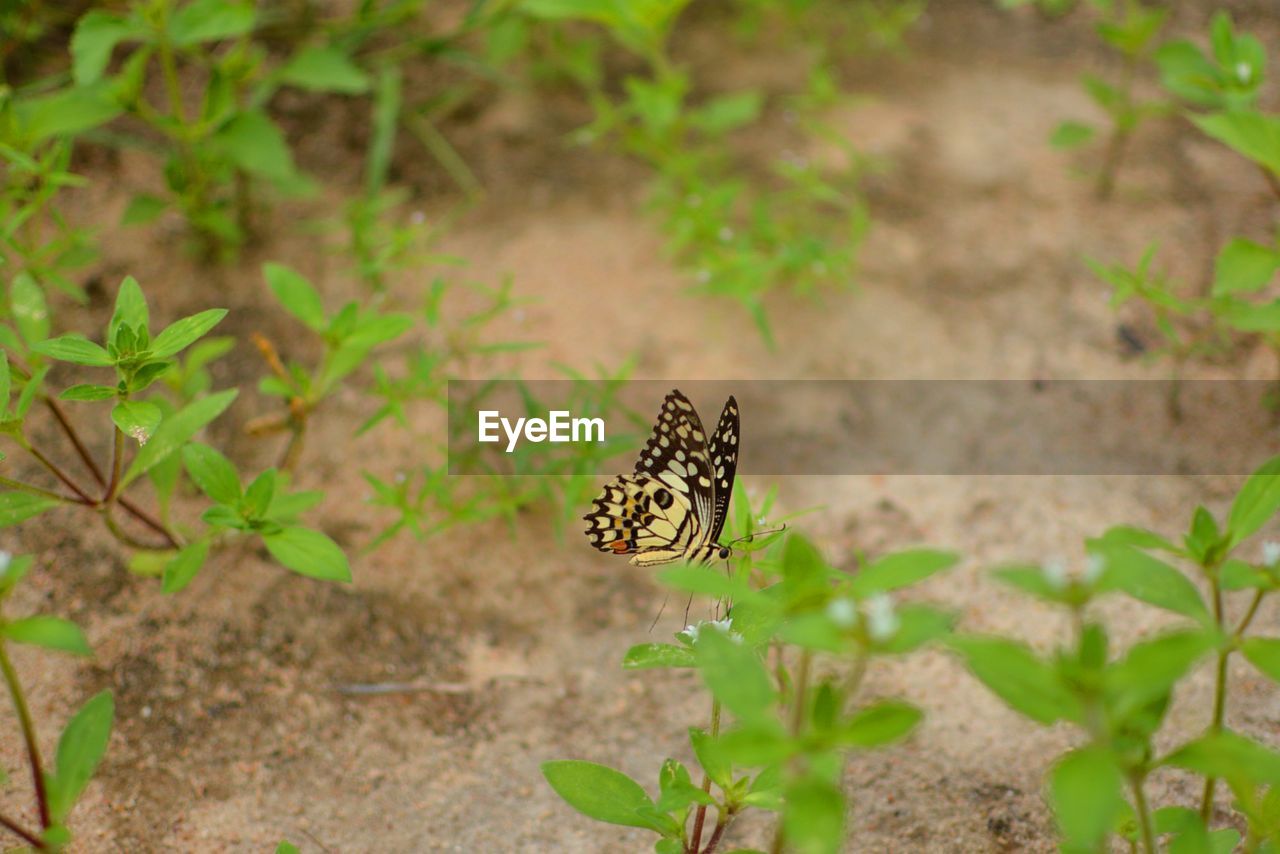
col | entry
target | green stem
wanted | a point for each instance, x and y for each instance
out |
(28, 735)
(1219, 698)
(10, 483)
(700, 816)
(797, 723)
(117, 464)
(18, 830)
(1144, 813)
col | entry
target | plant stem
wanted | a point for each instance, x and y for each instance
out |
(19, 830)
(700, 817)
(1144, 813)
(797, 722)
(36, 490)
(1219, 698)
(1248, 615)
(57, 472)
(722, 824)
(28, 735)
(1119, 135)
(117, 463)
(130, 507)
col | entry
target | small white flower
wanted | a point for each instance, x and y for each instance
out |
(1055, 572)
(843, 613)
(1094, 567)
(819, 267)
(725, 234)
(703, 276)
(725, 627)
(689, 633)
(693, 200)
(882, 622)
(5, 560)
(1271, 553)
(1243, 72)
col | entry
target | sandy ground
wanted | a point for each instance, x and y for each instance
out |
(230, 734)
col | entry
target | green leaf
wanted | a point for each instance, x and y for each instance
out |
(30, 310)
(87, 392)
(142, 209)
(17, 506)
(710, 757)
(137, 419)
(67, 112)
(735, 675)
(900, 569)
(255, 145)
(130, 309)
(210, 20)
(1151, 580)
(1256, 502)
(212, 472)
(48, 632)
(181, 334)
(308, 553)
(258, 495)
(1244, 267)
(176, 430)
(287, 848)
(1264, 654)
(297, 295)
(650, 655)
(1252, 134)
(813, 817)
(325, 69)
(879, 724)
(1071, 135)
(1085, 793)
(96, 35)
(599, 792)
(183, 566)
(1230, 756)
(727, 112)
(1018, 676)
(80, 749)
(1152, 667)
(75, 349)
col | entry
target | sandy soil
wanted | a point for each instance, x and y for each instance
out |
(230, 734)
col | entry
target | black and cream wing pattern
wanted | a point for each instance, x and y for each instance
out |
(674, 506)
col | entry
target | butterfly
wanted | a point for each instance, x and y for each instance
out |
(674, 506)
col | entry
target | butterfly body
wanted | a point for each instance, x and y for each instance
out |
(674, 506)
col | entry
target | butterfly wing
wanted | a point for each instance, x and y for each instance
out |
(676, 454)
(723, 452)
(641, 516)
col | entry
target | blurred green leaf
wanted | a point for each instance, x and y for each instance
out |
(325, 69)
(96, 35)
(879, 724)
(735, 675)
(80, 749)
(17, 507)
(48, 632)
(1018, 676)
(298, 296)
(1151, 580)
(181, 334)
(813, 818)
(1228, 755)
(1256, 503)
(1244, 267)
(651, 655)
(1252, 134)
(210, 20)
(137, 419)
(1085, 792)
(900, 569)
(212, 472)
(184, 566)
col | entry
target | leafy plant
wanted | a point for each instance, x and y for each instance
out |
(160, 435)
(741, 237)
(1129, 28)
(84, 740)
(1119, 701)
(784, 668)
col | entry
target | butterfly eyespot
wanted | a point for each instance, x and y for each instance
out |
(662, 498)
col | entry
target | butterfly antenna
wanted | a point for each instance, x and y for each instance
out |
(754, 534)
(660, 610)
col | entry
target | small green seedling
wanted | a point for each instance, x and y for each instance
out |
(84, 740)
(1129, 28)
(151, 436)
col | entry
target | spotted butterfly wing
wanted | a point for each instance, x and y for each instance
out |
(671, 508)
(723, 452)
